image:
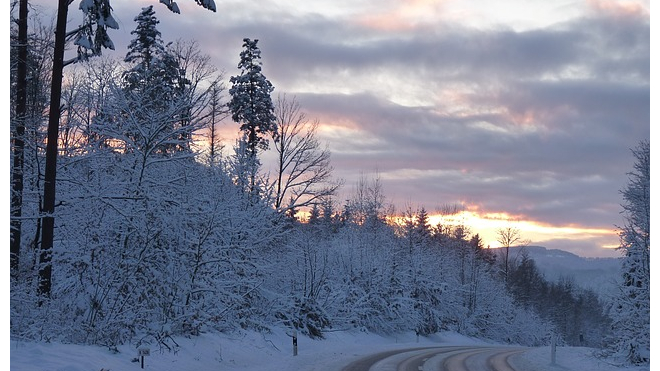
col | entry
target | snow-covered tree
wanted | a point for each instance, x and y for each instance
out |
(155, 80)
(251, 104)
(367, 206)
(90, 37)
(146, 49)
(244, 169)
(631, 311)
(303, 280)
(131, 217)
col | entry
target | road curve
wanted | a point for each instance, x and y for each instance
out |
(500, 360)
(454, 358)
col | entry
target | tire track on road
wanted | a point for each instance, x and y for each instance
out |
(453, 358)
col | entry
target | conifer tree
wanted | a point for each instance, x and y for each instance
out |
(314, 214)
(155, 80)
(251, 105)
(147, 46)
(631, 311)
(422, 226)
(154, 68)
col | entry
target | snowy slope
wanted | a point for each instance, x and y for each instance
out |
(251, 352)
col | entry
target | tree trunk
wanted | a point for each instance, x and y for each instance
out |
(45, 267)
(19, 143)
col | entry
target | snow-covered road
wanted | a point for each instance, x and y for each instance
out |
(448, 358)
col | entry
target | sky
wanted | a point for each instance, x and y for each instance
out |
(523, 113)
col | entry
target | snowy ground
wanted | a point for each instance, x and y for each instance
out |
(252, 352)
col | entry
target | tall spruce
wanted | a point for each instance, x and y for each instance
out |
(251, 105)
(146, 49)
(155, 79)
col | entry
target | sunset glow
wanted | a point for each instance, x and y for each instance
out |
(487, 224)
(523, 112)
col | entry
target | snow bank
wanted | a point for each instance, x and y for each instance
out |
(250, 351)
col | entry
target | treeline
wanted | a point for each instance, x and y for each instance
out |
(578, 314)
(157, 237)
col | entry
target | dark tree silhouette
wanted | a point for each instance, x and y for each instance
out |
(18, 135)
(252, 106)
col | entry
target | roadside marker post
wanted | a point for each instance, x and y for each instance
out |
(295, 343)
(142, 352)
(553, 350)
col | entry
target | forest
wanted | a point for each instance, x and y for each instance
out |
(159, 228)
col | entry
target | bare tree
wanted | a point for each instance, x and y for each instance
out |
(205, 89)
(217, 112)
(205, 93)
(303, 166)
(509, 237)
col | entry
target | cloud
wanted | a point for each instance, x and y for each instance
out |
(448, 105)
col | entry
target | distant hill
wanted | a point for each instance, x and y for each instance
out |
(597, 274)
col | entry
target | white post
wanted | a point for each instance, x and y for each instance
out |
(553, 350)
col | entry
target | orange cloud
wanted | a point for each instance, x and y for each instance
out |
(622, 9)
(407, 15)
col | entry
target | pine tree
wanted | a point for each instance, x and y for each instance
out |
(422, 226)
(251, 104)
(314, 214)
(156, 82)
(154, 68)
(328, 208)
(632, 308)
(147, 47)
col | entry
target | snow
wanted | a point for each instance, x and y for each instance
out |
(251, 351)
